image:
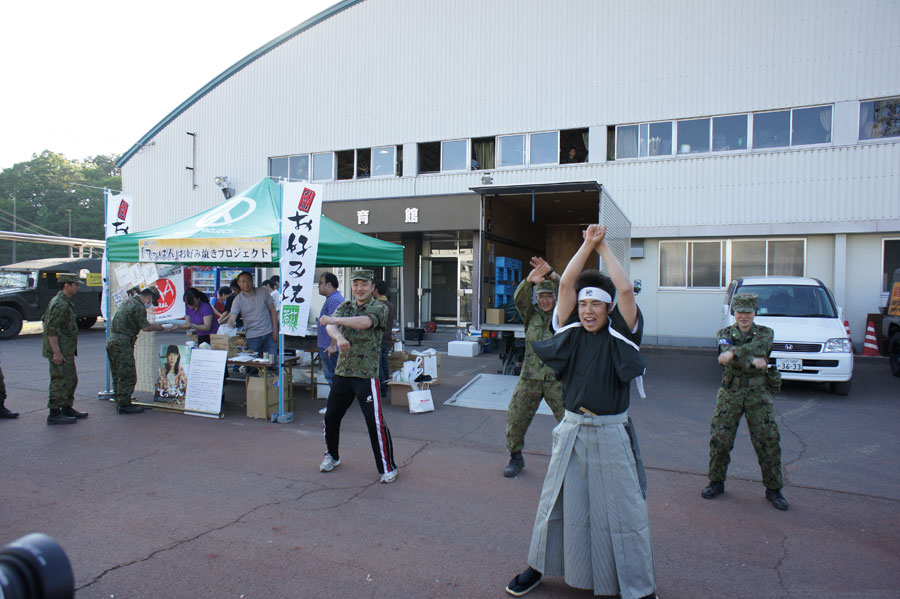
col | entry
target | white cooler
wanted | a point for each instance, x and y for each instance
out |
(464, 349)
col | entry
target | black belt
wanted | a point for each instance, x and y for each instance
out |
(748, 381)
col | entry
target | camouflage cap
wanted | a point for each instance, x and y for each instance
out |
(744, 302)
(544, 287)
(363, 274)
(66, 277)
(153, 292)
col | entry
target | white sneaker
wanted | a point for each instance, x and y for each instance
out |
(329, 463)
(389, 477)
(323, 410)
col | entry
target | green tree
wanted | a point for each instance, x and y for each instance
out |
(41, 193)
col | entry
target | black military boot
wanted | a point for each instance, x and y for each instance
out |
(713, 490)
(57, 417)
(129, 409)
(516, 463)
(70, 411)
(776, 499)
(4, 413)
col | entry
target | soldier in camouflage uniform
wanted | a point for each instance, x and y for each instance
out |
(747, 386)
(130, 319)
(357, 326)
(537, 380)
(60, 346)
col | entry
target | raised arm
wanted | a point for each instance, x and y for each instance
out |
(567, 299)
(624, 289)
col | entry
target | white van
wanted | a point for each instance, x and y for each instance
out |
(811, 343)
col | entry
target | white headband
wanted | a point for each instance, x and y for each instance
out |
(594, 293)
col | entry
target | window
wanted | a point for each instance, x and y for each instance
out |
(299, 169)
(384, 161)
(544, 148)
(691, 264)
(323, 166)
(627, 141)
(512, 150)
(879, 118)
(482, 153)
(772, 129)
(430, 157)
(730, 133)
(811, 125)
(453, 155)
(890, 261)
(345, 164)
(363, 163)
(761, 257)
(278, 167)
(693, 136)
(573, 146)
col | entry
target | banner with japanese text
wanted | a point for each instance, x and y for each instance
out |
(118, 222)
(206, 250)
(171, 291)
(301, 211)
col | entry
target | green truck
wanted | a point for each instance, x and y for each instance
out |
(26, 289)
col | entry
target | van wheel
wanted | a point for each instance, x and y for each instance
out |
(10, 322)
(86, 322)
(894, 354)
(842, 388)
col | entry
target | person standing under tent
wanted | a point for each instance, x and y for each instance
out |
(130, 319)
(387, 340)
(328, 350)
(255, 306)
(357, 326)
(592, 525)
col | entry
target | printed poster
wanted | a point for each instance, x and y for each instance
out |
(171, 292)
(204, 389)
(301, 211)
(172, 380)
(894, 300)
(118, 222)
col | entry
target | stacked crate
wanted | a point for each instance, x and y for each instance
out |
(507, 275)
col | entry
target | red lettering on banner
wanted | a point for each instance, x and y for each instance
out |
(123, 210)
(306, 199)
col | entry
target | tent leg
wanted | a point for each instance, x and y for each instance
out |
(402, 322)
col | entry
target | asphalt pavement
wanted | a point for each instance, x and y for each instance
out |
(169, 505)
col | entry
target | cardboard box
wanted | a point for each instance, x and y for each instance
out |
(257, 406)
(225, 343)
(398, 393)
(495, 316)
(464, 349)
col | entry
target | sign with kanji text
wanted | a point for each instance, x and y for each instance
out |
(206, 250)
(301, 217)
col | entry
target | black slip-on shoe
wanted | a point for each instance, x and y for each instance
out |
(524, 582)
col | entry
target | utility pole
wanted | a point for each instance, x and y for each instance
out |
(70, 222)
(14, 227)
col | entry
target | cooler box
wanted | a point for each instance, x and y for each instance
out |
(464, 349)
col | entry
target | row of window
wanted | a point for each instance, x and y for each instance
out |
(795, 127)
(710, 264)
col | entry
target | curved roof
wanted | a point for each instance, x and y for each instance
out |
(311, 22)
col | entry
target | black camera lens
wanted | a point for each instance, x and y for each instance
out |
(35, 567)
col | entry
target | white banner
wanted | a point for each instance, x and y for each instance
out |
(118, 214)
(301, 209)
(118, 222)
(171, 290)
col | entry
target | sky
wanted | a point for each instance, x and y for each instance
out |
(92, 77)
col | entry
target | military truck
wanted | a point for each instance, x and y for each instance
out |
(890, 325)
(26, 289)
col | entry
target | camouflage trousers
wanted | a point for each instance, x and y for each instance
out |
(2, 389)
(756, 405)
(524, 404)
(63, 380)
(122, 368)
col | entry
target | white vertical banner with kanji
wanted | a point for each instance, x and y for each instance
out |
(301, 210)
(118, 222)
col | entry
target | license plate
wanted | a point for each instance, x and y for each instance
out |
(789, 364)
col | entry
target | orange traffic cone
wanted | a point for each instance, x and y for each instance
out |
(849, 338)
(870, 347)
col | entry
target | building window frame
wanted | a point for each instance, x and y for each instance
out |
(467, 164)
(859, 124)
(393, 167)
(885, 273)
(313, 175)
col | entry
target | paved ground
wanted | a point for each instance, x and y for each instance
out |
(166, 505)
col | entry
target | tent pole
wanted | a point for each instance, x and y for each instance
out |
(106, 282)
(402, 322)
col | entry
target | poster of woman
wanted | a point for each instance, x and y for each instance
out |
(174, 361)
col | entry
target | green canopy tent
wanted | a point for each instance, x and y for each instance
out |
(256, 213)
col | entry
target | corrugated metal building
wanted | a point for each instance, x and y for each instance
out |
(757, 137)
